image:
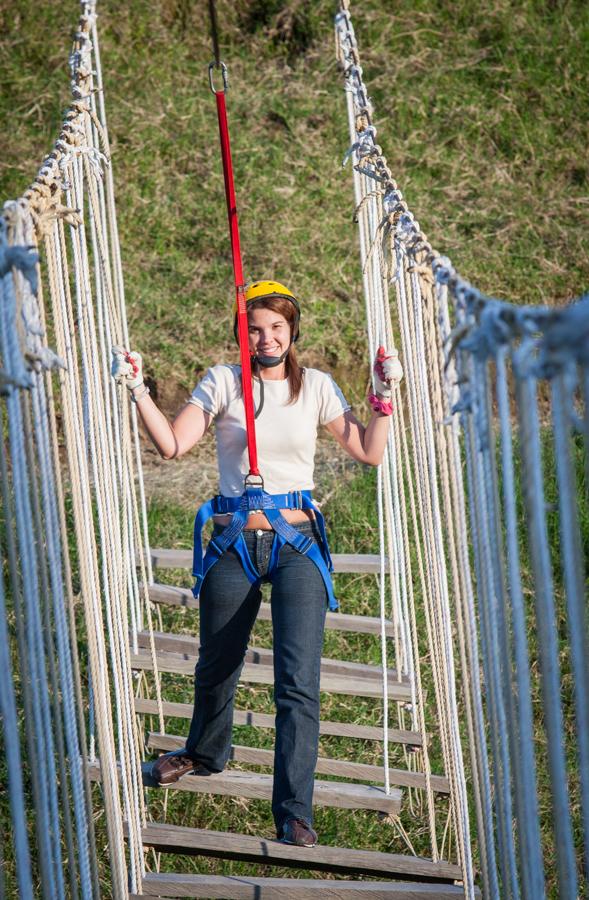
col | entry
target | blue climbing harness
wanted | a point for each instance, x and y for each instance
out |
(255, 499)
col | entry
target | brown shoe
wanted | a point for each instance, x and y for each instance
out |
(170, 767)
(299, 833)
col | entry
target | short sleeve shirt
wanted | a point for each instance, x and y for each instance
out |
(286, 434)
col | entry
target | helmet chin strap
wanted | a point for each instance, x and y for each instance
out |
(268, 362)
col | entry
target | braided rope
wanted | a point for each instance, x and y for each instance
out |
(538, 343)
(101, 438)
(421, 345)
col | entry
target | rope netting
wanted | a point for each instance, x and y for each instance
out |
(465, 355)
(75, 522)
(492, 391)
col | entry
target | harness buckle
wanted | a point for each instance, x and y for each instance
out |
(215, 546)
(304, 548)
(249, 481)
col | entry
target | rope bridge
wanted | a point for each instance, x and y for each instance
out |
(490, 430)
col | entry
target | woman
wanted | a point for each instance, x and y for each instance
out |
(281, 541)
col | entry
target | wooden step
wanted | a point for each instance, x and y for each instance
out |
(253, 786)
(244, 887)
(338, 860)
(188, 645)
(264, 720)
(337, 767)
(356, 563)
(256, 786)
(171, 595)
(256, 673)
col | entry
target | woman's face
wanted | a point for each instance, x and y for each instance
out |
(269, 332)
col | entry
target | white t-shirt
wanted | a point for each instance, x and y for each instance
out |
(286, 434)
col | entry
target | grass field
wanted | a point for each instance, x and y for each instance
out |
(482, 111)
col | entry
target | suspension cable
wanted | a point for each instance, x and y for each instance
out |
(240, 305)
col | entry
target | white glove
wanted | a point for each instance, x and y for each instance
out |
(387, 371)
(127, 367)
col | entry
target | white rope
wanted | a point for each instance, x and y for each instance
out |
(421, 351)
(101, 438)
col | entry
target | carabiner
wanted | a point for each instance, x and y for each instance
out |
(225, 75)
(249, 481)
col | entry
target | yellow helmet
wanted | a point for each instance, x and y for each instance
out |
(269, 289)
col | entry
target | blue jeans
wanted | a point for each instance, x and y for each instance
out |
(229, 604)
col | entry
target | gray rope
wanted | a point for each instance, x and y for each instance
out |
(495, 709)
(490, 872)
(52, 532)
(530, 847)
(563, 386)
(49, 648)
(12, 750)
(45, 779)
(497, 641)
(546, 626)
(479, 754)
(34, 648)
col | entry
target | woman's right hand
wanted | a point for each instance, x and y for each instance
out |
(127, 367)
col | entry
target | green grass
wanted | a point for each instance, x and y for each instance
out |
(482, 112)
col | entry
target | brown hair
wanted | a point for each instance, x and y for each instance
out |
(285, 308)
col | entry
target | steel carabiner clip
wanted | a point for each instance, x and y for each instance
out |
(223, 67)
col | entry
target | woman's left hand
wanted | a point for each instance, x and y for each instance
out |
(387, 371)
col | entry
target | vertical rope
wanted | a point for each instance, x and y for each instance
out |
(530, 846)
(563, 386)
(547, 634)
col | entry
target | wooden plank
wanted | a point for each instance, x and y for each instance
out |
(339, 860)
(171, 595)
(244, 887)
(264, 720)
(355, 563)
(256, 673)
(255, 786)
(337, 767)
(188, 644)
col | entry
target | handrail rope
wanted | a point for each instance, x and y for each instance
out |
(89, 576)
(365, 270)
(8, 703)
(33, 661)
(364, 147)
(437, 595)
(71, 623)
(372, 342)
(466, 620)
(111, 319)
(103, 456)
(109, 326)
(58, 277)
(434, 355)
(78, 153)
(99, 119)
(58, 566)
